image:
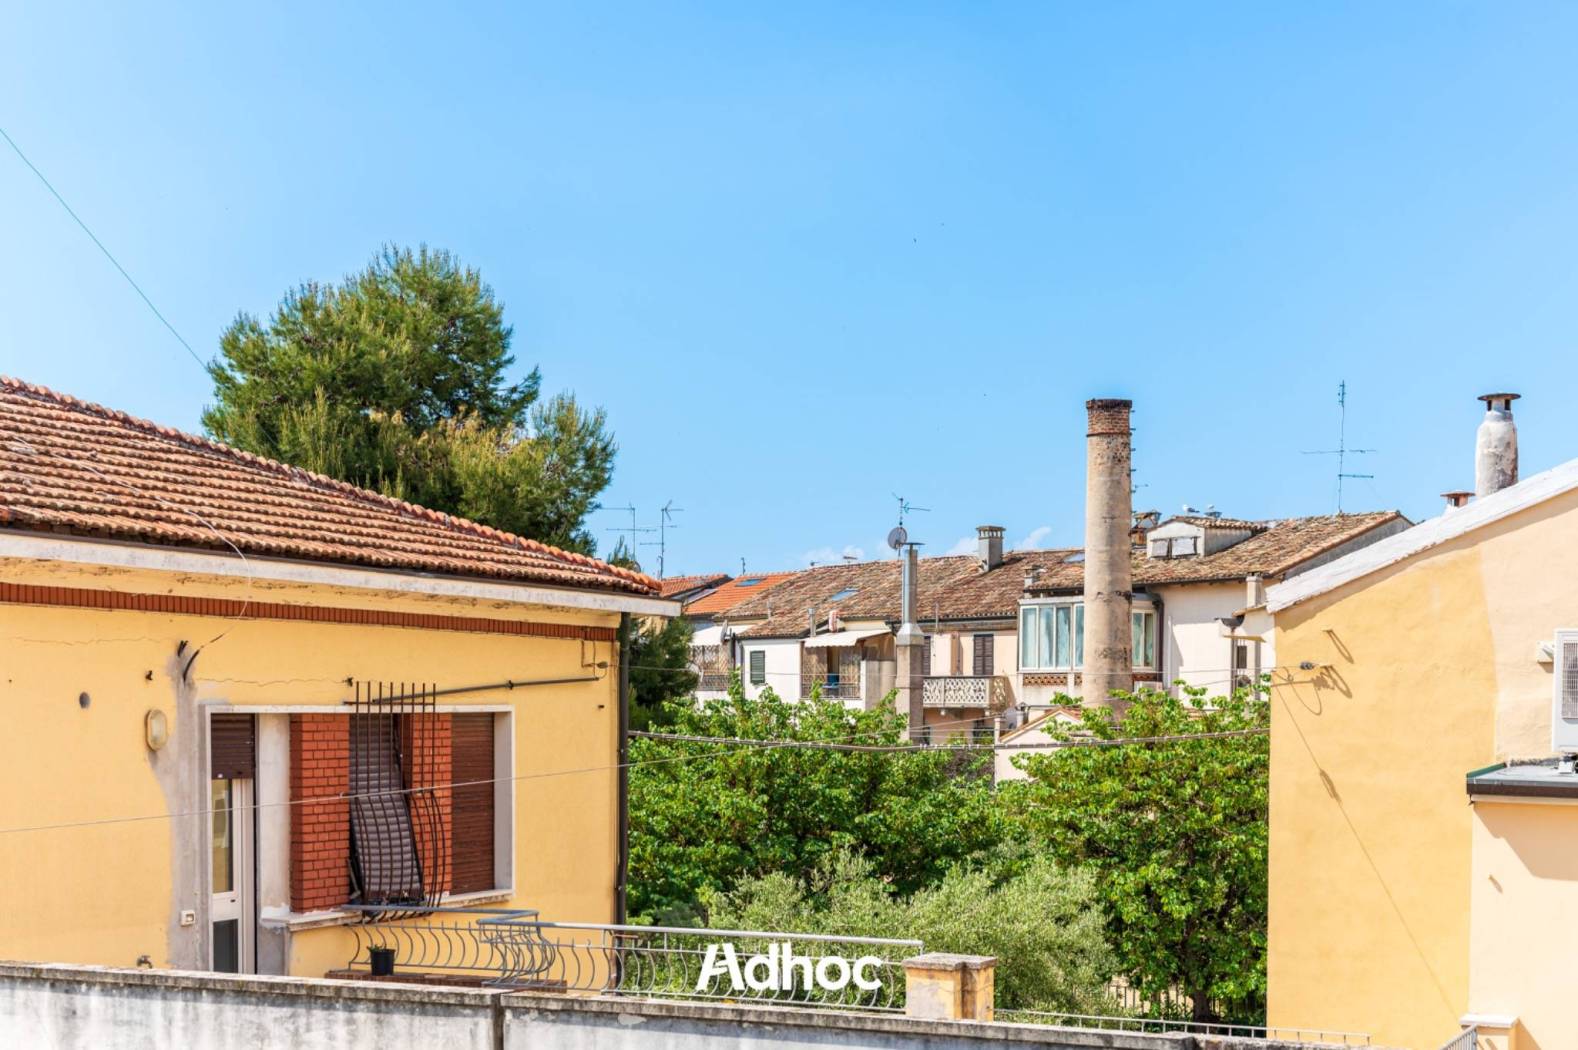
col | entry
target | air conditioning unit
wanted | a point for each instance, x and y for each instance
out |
(1564, 692)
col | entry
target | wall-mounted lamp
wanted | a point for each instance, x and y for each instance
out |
(156, 729)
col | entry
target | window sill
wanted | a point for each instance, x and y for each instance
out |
(460, 900)
(296, 921)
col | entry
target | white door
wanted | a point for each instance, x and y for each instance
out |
(233, 909)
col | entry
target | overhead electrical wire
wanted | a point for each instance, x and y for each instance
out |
(143, 818)
(743, 745)
(100, 245)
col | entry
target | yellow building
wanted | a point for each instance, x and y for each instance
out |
(240, 697)
(1413, 889)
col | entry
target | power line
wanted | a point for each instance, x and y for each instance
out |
(395, 792)
(812, 745)
(100, 245)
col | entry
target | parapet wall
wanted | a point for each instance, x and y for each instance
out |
(58, 1005)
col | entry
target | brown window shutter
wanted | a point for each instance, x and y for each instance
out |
(471, 824)
(926, 657)
(983, 654)
(232, 747)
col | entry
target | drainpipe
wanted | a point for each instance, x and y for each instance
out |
(622, 875)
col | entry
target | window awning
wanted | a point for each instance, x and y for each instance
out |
(842, 638)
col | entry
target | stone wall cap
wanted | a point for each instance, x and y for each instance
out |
(950, 961)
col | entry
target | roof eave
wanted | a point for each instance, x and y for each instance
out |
(1448, 526)
(83, 550)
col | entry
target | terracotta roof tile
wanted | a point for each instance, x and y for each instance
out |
(728, 595)
(66, 465)
(678, 585)
(955, 588)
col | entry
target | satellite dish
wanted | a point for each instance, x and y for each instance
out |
(898, 537)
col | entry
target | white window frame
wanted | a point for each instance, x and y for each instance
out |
(1030, 656)
(1146, 631)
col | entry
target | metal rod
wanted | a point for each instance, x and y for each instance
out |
(506, 685)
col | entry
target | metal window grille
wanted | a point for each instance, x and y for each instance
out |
(399, 842)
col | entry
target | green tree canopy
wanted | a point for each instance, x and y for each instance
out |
(395, 380)
(1176, 834)
(704, 816)
(1043, 923)
(660, 669)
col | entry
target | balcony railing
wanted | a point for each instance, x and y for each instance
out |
(835, 686)
(709, 681)
(516, 949)
(966, 690)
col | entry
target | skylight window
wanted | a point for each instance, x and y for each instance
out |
(752, 582)
(847, 592)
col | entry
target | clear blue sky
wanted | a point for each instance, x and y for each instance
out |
(808, 256)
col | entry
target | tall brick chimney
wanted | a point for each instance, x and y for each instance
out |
(1109, 501)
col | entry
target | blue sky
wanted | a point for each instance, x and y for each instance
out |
(811, 255)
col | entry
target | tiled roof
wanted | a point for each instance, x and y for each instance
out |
(69, 466)
(728, 595)
(677, 585)
(1277, 547)
(955, 588)
(1206, 521)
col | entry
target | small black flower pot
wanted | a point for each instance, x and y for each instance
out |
(382, 961)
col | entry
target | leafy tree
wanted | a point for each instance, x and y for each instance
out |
(395, 380)
(1043, 923)
(1176, 833)
(705, 816)
(660, 668)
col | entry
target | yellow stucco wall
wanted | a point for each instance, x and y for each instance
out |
(1525, 909)
(1433, 674)
(104, 894)
(1369, 825)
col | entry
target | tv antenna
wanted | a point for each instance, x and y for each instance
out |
(665, 522)
(906, 507)
(633, 529)
(1342, 451)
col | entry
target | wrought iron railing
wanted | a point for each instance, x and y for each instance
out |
(1161, 1025)
(834, 685)
(1467, 1039)
(516, 949)
(713, 681)
(966, 690)
(472, 945)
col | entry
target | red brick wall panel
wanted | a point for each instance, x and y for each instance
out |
(320, 830)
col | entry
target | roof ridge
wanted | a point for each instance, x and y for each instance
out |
(301, 474)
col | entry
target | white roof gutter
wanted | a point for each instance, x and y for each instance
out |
(80, 550)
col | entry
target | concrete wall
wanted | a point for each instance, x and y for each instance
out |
(1192, 633)
(783, 666)
(110, 893)
(65, 1006)
(1432, 673)
(107, 1009)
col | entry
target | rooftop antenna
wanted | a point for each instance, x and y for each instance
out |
(665, 522)
(634, 529)
(1342, 451)
(905, 507)
(742, 566)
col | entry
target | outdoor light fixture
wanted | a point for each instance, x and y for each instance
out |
(156, 729)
